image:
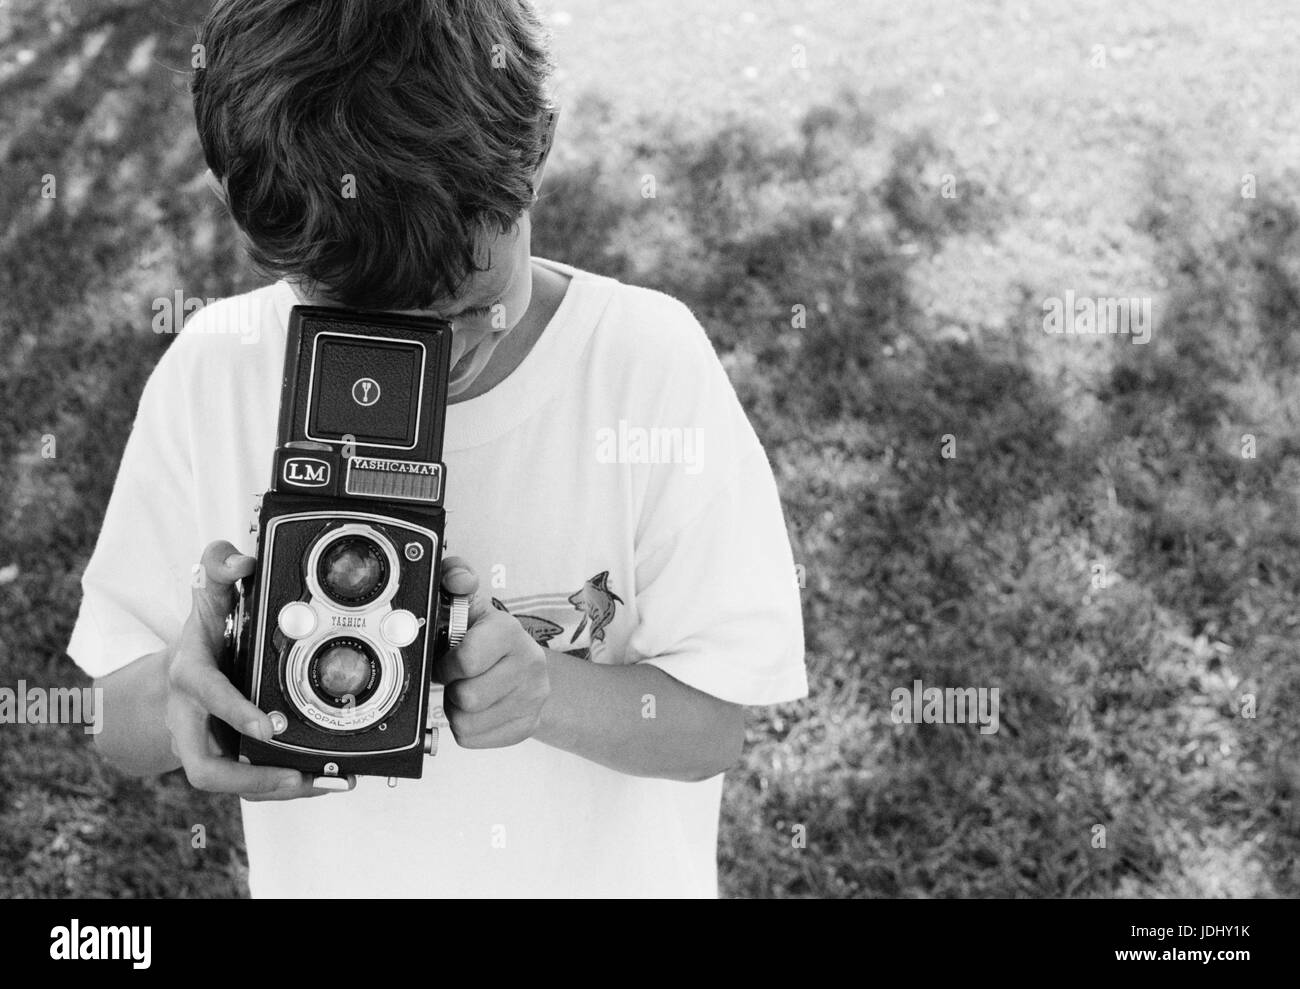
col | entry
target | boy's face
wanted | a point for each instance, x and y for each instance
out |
(490, 305)
(493, 299)
(498, 297)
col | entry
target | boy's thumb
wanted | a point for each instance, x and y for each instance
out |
(219, 568)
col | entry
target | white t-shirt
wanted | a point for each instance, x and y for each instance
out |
(605, 538)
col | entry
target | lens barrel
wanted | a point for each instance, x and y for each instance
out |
(344, 672)
(352, 571)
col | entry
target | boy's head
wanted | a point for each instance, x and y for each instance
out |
(380, 153)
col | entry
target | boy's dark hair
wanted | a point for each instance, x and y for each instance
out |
(434, 106)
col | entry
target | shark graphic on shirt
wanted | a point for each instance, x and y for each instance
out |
(546, 617)
(596, 602)
(540, 629)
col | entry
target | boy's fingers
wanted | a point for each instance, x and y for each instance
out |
(479, 608)
(208, 687)
(191, 742)
(213, 582)
(218, 569)
(447, 670)
(222, 565)
(477, 653)
(217, 775)
(481, 692)
(480, 730)
(304, 789)
(458, 577)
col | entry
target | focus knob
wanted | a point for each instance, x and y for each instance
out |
(457, 619)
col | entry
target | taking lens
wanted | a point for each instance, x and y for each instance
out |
(344, 672)
(353, 570)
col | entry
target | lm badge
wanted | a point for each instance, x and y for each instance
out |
(306, 472)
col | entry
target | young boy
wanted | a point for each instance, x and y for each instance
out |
(385, 155)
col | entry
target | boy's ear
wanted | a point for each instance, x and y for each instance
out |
(552, 118)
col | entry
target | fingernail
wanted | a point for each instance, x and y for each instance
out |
(289, 781)
(234, 560)
(332, 784)
(258, 730)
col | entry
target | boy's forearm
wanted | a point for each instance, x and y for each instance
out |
(135, 737)
(635, 718)
(638, 720)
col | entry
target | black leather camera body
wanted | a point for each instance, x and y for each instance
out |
(336, 632)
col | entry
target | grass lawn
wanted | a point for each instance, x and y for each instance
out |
(1113, 545)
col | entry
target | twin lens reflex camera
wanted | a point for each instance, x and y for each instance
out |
(336, 633)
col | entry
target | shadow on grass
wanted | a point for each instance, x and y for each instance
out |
(1123, 765)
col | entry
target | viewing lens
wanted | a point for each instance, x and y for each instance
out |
(353, 570)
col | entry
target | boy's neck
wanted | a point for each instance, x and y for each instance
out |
(549, 287)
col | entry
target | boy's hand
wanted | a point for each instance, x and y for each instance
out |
(496, 679)
(196, 688)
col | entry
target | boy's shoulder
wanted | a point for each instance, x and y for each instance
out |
(649, 315)
(240, 326)
(223, 341)
(653, 331)
(652, 358)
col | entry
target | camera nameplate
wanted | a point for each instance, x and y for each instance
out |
(404, 480)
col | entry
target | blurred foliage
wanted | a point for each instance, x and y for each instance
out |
(1120, 704)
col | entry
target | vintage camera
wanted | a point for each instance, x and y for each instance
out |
(336, 633)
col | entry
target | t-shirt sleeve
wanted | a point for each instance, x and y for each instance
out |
(136, 586)
(717, 596)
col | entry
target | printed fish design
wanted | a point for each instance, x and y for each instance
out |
(540, 629)
(596, 602)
